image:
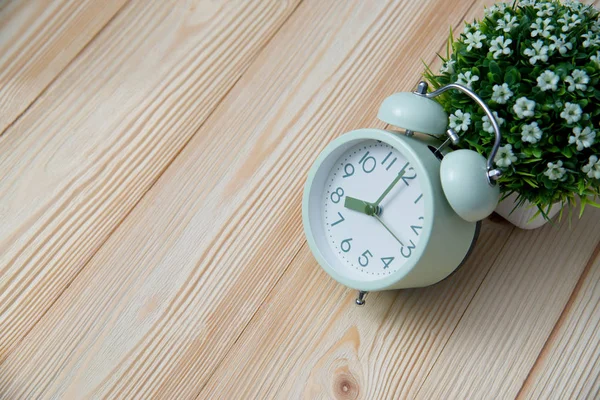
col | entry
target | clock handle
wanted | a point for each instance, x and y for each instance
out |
(492, 173)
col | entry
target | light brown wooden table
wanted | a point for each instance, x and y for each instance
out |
(152, 158)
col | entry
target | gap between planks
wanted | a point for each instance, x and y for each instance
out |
(357, 121)
(60, 72)
(254, 315)
(251, 59)
(549, 340)
(157, 177)
(433, 60)
(506, 240)
(552, 338)
(18, 117)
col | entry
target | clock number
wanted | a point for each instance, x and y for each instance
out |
(349, 170)
(346, 242)
(419, 198)
(367, 158)
(406, 177)
(340, 220)
(365, 257)
(387, 261)
(415, 227)
(406, 251)
(385, 160)
(337, 195)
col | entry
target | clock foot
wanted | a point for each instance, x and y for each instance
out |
(360, 299)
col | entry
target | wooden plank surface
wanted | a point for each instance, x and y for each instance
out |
(38, 39)
(90, 147)
(165, 298)
(205, 287)
(513, 313)
(569, 363)
(316, 344)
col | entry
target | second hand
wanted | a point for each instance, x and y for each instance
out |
(388, 229)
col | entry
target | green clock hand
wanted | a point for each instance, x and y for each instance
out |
(391, 186)
(388, 229)
(359, 205)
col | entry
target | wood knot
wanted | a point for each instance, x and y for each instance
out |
(345, 387)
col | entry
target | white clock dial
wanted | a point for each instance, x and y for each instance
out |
(375, 246)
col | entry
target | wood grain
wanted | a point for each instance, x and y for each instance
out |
(513, 313)
(38, 39)
(85, 153)
(569, 363)
(151, 242)
(163, 301)
(316, 344)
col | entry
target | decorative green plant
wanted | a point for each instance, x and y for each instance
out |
(537, 65)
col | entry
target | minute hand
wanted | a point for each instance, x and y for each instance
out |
(391, 186)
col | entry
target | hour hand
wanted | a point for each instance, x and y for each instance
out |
(358, 205)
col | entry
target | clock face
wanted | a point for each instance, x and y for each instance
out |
(365, 242)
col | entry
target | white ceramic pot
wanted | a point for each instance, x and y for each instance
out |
(521, 215)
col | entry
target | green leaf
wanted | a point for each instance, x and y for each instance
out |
(582, 206)
(594, 204)
(512, 76)
(531, 183)
(495, 68)
(530, 161)
(525, 173)
(567, 152)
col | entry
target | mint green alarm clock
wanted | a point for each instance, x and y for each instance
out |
(389, 210)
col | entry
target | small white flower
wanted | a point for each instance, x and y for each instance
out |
(488, 12)
(591, 39)
(571, 113)
(487, 125)
(596, 58)
(467, 79)
(501, 93)
(499, 46)
(555, 171)
(507, 23)
(524, 107)
(560, 43)
(531, 133)
(544, 9)
(536, 27)
(527, 3)
(471, 27)
(474, 40)
(578, 80)
(569, 21)
(541, 27)
(448, 67)
(548, 80)
(505, 156)
(539, 52)
(592, 168)
(574, 5)
(460, 121)
(583, 138)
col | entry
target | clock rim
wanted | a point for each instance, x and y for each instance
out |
(403, 145)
